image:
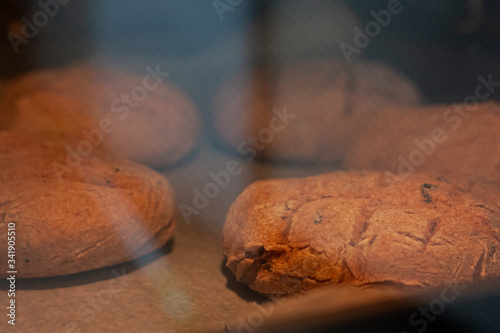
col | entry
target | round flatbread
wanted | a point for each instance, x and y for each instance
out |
(71, 218)
(305, 112)
(144, 119)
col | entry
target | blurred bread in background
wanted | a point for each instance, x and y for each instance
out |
(460, 143)
(452, 140)
(144, 119)
(327, 103)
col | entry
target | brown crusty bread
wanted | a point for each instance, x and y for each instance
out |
(330, 101)
(158, 130)
(363, 229)
(71, 219)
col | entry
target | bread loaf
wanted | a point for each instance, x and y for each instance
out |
(307, 111)
(71, 219)
(447, 139)
(144, 119)
(362, 229)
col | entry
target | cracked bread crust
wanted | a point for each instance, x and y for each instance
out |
(100, 213)
(358, 228)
